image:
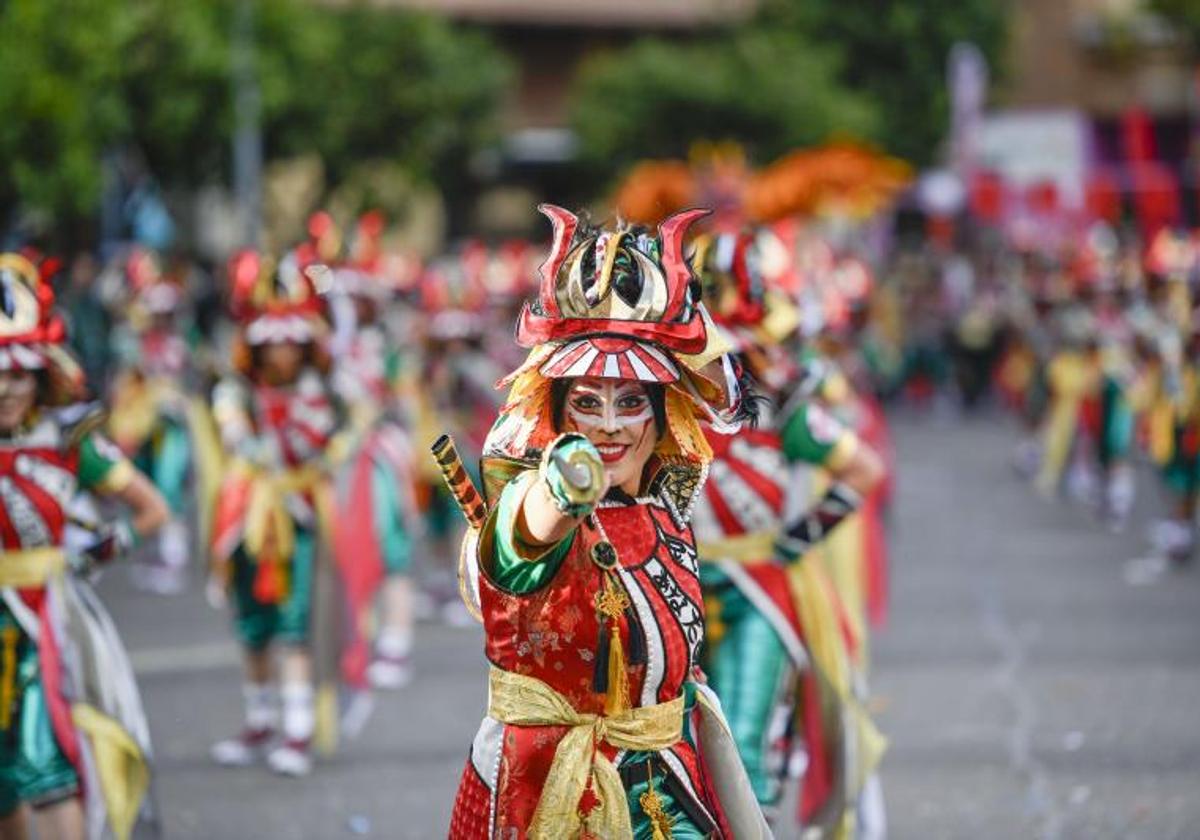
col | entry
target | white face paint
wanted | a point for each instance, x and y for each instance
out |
(617, 416)
(608, 404)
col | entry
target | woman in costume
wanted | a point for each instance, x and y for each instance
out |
(152, 415)
(75, 743)
(376, 499)
(273, 518)
(455, 393)
(583, 564)
(760, 611)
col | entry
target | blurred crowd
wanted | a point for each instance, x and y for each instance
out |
(282, 407)
(1087, 336)
(268, 422)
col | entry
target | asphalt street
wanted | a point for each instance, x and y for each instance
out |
(1034, 678)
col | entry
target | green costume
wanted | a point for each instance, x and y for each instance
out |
(754, 649)
(33, 767)
(260, 622)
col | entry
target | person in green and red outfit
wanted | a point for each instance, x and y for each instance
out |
(585, 574)
(53, 728)
(760, 610)
(274, 515)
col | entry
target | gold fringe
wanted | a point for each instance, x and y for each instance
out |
(617, 699)
(652, 807)
(685, 438)
(613, 604)
(8, 687)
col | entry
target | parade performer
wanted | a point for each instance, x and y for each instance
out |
(757, 648)
(376, 505)
(1168, 389)
(582, 564)
(836, 376)
(75, 742)
(273, 517)
(1168, 393)
(1073, 376)
(153, 418)
(455, 392)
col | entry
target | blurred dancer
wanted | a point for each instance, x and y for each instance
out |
(377, 505)
(454, 392)
(277, 419)
(152, 413)
(75, 743)
(757, 649)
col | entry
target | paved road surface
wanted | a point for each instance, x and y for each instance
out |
(1028, 688)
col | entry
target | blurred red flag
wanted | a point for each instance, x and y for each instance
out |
(987, 195)
(1042, 198)
(1156, 198)
(1137, 136)
(1103, 197)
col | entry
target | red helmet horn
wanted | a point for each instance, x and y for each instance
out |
(678, 272)
(565, 222)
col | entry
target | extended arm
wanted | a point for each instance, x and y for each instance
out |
(570, 481)
(147, 506)
(854, 468)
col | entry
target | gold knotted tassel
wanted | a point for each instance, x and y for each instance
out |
(8, 682)
(612, 603)
(652, 807)
(617, 699)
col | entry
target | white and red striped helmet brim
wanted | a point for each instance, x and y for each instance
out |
(280, 329)
(21, 357)
(611, 358)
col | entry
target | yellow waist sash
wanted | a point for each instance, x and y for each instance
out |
(29, 568)
(526, 701)
(268, 522)
(744, 548)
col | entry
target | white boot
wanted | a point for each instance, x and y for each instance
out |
(392, 666)
(258, 733)
(293, 757)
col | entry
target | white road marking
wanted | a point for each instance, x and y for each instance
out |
(181, 659)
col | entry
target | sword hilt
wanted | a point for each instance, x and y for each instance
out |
(454, 473)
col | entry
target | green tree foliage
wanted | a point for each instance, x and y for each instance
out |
(382, 84)
(61, 98)
(770, 90)
(83, 76)
(895, 51)
(798, 72)
(1183, 13)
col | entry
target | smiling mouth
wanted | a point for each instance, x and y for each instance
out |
(610, 453)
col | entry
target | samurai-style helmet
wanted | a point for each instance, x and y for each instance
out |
(738, 274)
(276, 303)
(32, 335)
(614, 299)
(619, 302)
(151, 291)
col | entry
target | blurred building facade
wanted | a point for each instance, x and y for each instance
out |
(549, 41)
(1097, 95)
(1101, 56)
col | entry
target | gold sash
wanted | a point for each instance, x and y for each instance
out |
(267, 518)
(31, 567)
(758, 547)
(526, 701)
